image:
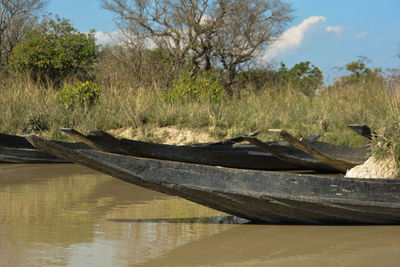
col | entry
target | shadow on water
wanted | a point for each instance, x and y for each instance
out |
(229, 220)
(31, 173)
(200, 220)
(286, 245)
(66, 215)
(56, 214)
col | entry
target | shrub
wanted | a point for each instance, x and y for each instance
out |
(36, 123)
(84, 94)
(54, 51)
(203, 86)
(387, 140)
(303, 76)
(360, 73)
(257, 79)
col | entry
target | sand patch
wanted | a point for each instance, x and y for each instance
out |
(373, 168)
(167, 135)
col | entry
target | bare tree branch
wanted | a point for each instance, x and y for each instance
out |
(16, 16)
(204, 33)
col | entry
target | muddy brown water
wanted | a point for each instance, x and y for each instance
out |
(67, 215)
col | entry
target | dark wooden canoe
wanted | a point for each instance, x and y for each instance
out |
(224, 153)
(242, 156)
(260, 196)
(7, 140)
(14, 141)
(339, 157)
(27, 155)
(363, 130)
(275, 155)
(16, 149)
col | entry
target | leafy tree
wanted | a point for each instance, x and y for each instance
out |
(360, 72)
(203, 34)
(257, 79)
(54, 51)
(304, 76)
(16, 17)
(357, 68)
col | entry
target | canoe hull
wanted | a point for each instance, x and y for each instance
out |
(242, 157)
(27, 155)
(16, 149)
(260, 196)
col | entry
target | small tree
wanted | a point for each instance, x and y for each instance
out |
(16, 17)
(305, 77)
(360, 72)
(54, 51)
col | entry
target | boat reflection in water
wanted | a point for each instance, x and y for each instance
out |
(66, 215)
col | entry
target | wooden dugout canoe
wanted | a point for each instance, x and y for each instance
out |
(27, 155)
(16, 149)
(260, 196)
(280, 155)
(223, 153)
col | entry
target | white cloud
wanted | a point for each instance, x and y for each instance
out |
(361, 35)
(338, 30)
(118, 37)
(108, 38)
(291, 38)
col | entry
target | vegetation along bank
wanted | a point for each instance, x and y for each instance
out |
(54, 76)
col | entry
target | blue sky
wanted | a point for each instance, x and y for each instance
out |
(329, 33)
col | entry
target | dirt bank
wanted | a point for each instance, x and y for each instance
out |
(373, 168)
(167, 135)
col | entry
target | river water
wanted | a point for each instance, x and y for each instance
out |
(67, 215)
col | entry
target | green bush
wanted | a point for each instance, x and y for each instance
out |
(387, 140)
(55, 50)
(84, 94)
(203, 86)
(360, 73)
(303, 76)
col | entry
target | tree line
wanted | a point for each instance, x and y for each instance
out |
(164, 41)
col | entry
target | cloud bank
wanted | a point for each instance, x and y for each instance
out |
(338, 30)
(361, 35)
(292, 38)
(108, 38)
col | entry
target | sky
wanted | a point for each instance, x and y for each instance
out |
(328, 33)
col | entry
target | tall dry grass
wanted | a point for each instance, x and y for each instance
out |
(26, 107)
